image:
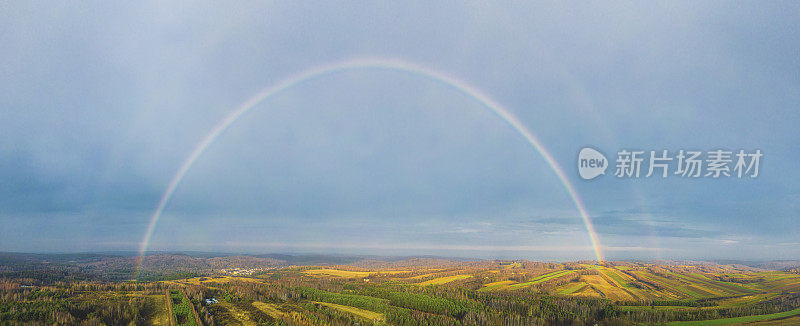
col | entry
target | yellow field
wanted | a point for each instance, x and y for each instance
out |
(162, 316)
(269, 309)
(241, 316)
(446, 279)
(587, 291)
(213, 279)
(496, 285)
(607, 290)
(370, 315)
(347, 274)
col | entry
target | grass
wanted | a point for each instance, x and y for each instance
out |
(369, 315)
(446, 279)
(737, 320)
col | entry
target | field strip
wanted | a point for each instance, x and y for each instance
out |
(590, 266)
(495, 285)
(369, 315)
(541, 278)
(446, 279)
(162, 316)
(633, 294)
(742, 300)
(672, 286)
(693, 288)
(737, 288)
(667, 290)
(728, 321)
(172, 321)
(615, 280)
(705, 285)
(718, 286)
(615, 276)
(572, 288)
(238, 314)
(269, 309)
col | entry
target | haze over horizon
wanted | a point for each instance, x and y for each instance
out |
(101, 103)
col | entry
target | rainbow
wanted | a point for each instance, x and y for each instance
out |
(369, 63)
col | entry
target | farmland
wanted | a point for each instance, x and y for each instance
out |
(418, 292)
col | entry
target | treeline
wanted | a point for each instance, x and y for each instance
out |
(168, 276)
(49, 276)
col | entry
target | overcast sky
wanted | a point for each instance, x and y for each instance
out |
(101, 102)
